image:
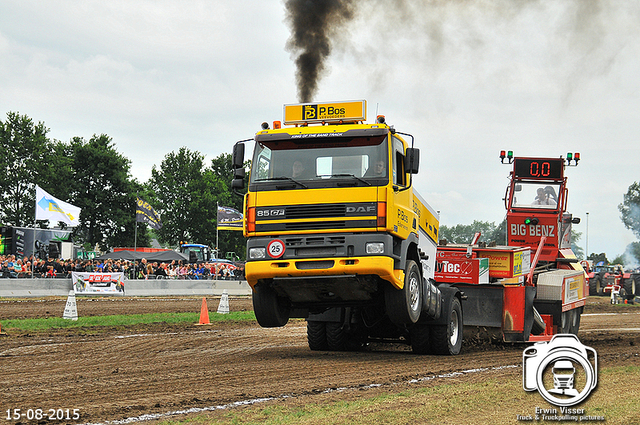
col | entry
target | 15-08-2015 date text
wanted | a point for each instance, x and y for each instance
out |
(42, 414)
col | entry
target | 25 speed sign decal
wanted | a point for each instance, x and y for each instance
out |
(275, 248)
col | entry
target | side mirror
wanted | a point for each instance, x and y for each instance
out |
(412, 161)
(237, 184)
(575, 220)
(238, 167)
(238, 155)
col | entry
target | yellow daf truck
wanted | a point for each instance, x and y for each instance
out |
(337, 234)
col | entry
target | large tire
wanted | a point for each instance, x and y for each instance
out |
(271, 311)
(570, 321)
(575, 324)
(338, 339)
(420, 341)
(595, 286)
(404, 305)
(317, 335)
(447, 339)
(629, 286)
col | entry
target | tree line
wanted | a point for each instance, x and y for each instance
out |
(91, 174)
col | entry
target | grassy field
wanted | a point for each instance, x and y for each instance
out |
(494, 401)
(51, 323)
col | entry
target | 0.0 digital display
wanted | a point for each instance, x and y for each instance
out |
(538, 168)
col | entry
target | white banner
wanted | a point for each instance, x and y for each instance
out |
(53, 209)
(88, 283)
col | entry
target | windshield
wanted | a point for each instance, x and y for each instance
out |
(361, 158)
(535, 195)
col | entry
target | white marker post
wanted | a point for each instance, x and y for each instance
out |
(223, 307)
(71, 310)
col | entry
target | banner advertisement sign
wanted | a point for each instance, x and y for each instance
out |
(88, 283)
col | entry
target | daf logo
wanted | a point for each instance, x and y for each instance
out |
(369, 209)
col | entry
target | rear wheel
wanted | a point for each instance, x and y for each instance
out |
(595, 286)
(340, 339)
(629, 286)
(271, 310)
(575, 324)
(570, 321)
(420, 343)
(447, 339)
(317, 335)
(404, 305)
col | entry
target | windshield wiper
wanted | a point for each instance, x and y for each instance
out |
(283, 178)
(353, 176)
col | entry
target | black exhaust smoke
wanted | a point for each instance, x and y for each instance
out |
(313, 24)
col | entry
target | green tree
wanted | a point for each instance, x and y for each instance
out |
(618, 260)
(185, 198)
(630, 209)
(464, 233)
(577, 249)
(26, 152)
(596, 258)
(102, 187)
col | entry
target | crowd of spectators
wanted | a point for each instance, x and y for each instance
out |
(12, 267)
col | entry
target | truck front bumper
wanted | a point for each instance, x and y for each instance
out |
(322, 268)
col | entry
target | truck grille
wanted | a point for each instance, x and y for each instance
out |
(316, 211)
(351, 215)
(314, 240)
(316, 225)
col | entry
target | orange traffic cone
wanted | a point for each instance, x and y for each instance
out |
(204, 313)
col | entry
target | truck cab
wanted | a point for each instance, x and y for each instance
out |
(336, 232)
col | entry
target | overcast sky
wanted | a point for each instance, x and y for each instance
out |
(467, 79)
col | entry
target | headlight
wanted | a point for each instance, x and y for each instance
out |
(374, 248)
(257, 253)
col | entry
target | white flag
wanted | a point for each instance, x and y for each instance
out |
(53, 209)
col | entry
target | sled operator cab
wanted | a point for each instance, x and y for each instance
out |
(536, 203)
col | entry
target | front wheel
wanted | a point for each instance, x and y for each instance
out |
(404, 305)
(447, 339)
(271, 310)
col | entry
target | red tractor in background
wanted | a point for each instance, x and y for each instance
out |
(605, 279)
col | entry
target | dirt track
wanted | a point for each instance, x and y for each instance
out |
(112, 374)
